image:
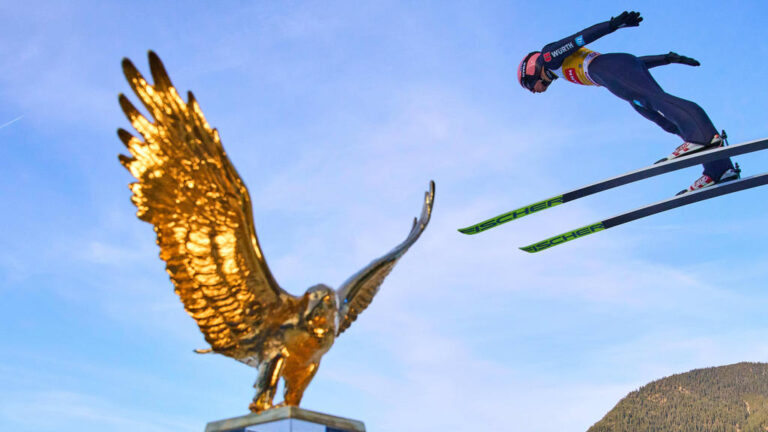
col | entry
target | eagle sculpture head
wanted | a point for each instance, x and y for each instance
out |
(187, 188)
(322, 312)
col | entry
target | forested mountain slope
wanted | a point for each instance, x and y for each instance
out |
(731, 398)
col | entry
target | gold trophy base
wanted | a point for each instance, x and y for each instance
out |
(286, 419)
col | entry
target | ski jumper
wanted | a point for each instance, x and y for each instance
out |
(627, 77)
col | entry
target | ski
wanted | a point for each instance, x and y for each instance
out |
(629, 177)
(659, 207)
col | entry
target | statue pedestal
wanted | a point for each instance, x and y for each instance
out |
(286, 419)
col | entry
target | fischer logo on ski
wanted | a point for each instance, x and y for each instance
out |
(512, 215)
(562, 238)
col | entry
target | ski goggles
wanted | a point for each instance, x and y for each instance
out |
(530, 84)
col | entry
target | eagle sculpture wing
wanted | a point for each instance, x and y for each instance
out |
(201, 211)
(357, 292)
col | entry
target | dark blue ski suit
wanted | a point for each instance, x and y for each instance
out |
(627, 77)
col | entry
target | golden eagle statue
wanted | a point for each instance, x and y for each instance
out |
(201, 211)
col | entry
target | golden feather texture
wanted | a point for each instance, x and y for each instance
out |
(201, 212)
(189, 190)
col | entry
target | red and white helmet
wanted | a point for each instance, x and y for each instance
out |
(529, 70)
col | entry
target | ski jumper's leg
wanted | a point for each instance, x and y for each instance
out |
(627, 77)
(655, 117)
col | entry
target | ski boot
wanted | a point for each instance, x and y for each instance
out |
(688, 148)
(706, 181)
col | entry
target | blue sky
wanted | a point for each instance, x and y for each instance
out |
(337, 115)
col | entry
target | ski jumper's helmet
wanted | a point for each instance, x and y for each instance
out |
(529, 70)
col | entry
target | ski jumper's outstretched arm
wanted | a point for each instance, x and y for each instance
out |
(554, 53)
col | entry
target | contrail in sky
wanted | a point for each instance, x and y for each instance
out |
(12, 121)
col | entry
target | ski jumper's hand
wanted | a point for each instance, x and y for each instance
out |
(674, 57)
(626, 19)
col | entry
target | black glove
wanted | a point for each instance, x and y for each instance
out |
(626, 19)
(674, 57)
